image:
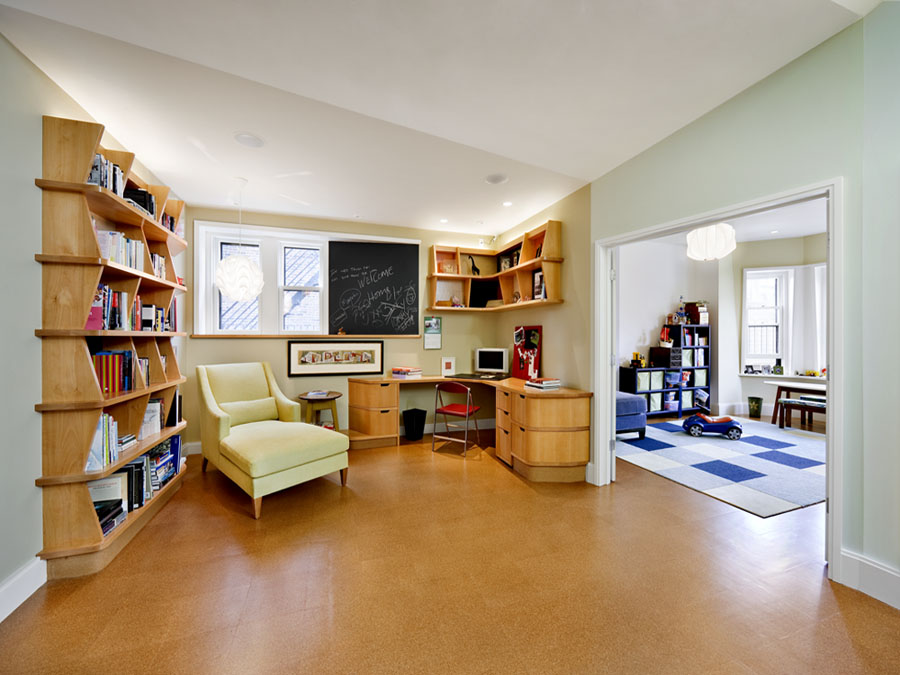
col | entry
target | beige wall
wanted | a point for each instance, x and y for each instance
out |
(566, 327)
(566, 332)
(461, 332)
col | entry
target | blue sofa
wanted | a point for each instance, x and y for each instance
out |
(631, 413)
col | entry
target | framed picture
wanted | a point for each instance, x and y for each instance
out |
(538, 283)
(335, 357)
(778, 370)
(448, 366)
(505, 263)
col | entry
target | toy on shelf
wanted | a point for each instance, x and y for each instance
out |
(697, 425)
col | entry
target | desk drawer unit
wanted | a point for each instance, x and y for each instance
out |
(374, 421)
(374, 394)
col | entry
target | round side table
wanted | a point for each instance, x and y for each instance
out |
(316, 404)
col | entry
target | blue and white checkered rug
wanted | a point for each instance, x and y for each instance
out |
(767, 472)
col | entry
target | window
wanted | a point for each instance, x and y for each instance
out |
(238, 316)
(764, 316)
(294, 298)
(785, 318)
(301, 289)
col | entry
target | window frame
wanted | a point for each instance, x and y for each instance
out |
(208, 236)
(784, 278)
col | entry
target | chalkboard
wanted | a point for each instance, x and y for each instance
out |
(373, 289)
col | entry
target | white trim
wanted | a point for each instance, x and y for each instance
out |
(192, 448)
(871, 577)
(20, 585)
(832, 189)
(222, 227)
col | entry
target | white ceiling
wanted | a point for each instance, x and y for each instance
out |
(785, 222)
(397, 110)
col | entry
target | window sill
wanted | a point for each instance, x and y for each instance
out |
(772, 376)
(296, 336)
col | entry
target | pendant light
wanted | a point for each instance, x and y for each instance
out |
(711, 243)
(238, 277)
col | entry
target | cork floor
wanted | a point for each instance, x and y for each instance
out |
(434, 564)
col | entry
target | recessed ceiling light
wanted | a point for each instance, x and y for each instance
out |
(444, 220)
(774, 232)
(507, 203)
(496, 178)
(248, 139)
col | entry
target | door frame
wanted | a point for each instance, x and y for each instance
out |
(601, 470)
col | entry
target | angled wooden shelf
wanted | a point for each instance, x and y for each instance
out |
(75, 214)
(111, 269)
(141, 447)
(72, 332)
(108, 401)
(535, 251)
(111, 206)
(498, 308)
(134, 521)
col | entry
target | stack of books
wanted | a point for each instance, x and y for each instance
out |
(543, 384)
(406, 373)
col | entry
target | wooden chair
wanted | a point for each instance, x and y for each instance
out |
(461, 410)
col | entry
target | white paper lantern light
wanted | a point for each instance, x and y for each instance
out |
(711, 243)
(239, 278)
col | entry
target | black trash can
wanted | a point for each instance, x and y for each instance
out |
(414, 424)
(755, 404)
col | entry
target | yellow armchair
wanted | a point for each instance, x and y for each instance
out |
(252, 432)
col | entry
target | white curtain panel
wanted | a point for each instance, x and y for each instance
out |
(807, 323)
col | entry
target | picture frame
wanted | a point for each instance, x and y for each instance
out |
(505, 263)
(538, 285)
(335, 357)
(778, 370)
(448, 366)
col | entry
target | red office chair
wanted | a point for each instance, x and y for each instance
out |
(463, 410)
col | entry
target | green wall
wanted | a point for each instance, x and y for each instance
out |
(808, 123)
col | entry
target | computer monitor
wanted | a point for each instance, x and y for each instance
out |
(491, 360)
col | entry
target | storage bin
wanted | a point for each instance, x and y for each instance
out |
(673, 379)
(655, 402)
(656, 379)
(687, 358)
(643, 381)
(670, 405)
(687, 399)
(700, 378)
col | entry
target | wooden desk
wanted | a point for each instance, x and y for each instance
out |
(543, 435)
(785, 389)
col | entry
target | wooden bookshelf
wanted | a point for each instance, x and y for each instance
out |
(72, 399)
(452, 275)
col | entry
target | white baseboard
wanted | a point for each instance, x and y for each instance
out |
(192, 448)
(19, 586)
(870, 577)
(743, 409)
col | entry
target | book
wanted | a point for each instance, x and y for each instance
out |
(317, 393)
(111, 488)
(152, 423)
(406, 372)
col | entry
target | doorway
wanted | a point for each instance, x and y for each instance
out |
(606, 326)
